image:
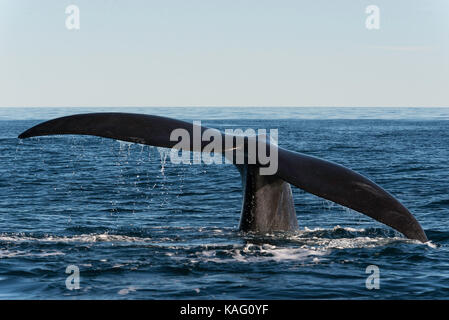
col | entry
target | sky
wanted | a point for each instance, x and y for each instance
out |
(224, 53)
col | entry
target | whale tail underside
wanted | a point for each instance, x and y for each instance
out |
(322, 178)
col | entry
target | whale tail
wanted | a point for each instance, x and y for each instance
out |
(322, 178)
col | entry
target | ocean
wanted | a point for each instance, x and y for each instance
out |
(133, 225)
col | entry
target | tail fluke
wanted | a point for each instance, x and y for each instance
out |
(341, 185)
(325, 179)
(137, 128)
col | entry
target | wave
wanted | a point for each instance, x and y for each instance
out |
(4, 253)
(307, 246)
(105, 237)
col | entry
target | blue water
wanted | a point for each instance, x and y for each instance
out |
(139, 227)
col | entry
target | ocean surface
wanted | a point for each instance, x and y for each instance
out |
(137, 226)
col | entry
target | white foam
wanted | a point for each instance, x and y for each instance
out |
(337, 227)
(78, 238)
(303, 246)
(11, 254)
(310, 247)
(430, 244)
(349, 229)
(126, 291)
(252, 253)
(296, 254)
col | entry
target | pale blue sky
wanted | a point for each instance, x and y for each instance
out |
(224, 53)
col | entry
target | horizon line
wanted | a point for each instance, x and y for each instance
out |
(222, 106)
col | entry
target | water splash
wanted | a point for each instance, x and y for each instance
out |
(164, 154)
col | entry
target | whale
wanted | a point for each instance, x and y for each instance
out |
(267, 204)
